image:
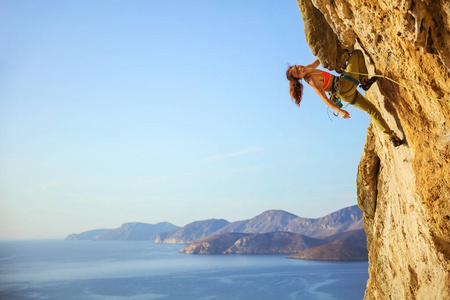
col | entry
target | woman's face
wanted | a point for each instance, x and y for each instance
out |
(298, 71)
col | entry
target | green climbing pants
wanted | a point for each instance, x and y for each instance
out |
(348, 93)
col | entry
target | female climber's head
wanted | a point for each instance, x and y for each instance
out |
(294, 74)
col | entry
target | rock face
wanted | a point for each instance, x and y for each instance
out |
(191, 232)
(321, 38)
(245, 243)
(349, 245)
(404, 192)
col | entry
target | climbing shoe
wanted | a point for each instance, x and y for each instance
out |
(367, 84)
(396, 141)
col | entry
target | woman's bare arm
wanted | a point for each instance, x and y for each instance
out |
(314, 65)
(321, 92)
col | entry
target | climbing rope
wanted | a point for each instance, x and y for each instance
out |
(385, 76)
(396, 82)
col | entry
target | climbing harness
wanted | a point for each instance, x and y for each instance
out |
(350, 78)
(333, 95)
(355, 81)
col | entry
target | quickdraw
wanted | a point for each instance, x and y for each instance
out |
(336, 100)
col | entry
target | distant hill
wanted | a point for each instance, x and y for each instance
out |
(127, 232)
(349, 245)
(273, 243)
(268, 221)
(339, 221)
(214, 244)
(357, 225)
(87, 235)
(191, 232)
(278, 220)
(246, 243)
(136, 231)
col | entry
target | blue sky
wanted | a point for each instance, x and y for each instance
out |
(150, 111)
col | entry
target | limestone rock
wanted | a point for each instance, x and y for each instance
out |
(321, 38)
(404, 192)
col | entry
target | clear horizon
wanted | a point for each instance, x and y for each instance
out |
(63, 237)
(146, 111)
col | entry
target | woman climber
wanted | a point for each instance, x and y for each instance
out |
(343, 87)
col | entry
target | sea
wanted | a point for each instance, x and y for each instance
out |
(143, 270)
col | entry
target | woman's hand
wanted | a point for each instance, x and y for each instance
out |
(344, 114)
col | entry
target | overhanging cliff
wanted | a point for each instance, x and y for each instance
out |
(405, 191)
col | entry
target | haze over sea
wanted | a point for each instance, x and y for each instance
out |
(144, 270)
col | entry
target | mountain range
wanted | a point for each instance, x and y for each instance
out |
(336, 236)
(349, 218)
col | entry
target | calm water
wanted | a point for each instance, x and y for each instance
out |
(63, 270)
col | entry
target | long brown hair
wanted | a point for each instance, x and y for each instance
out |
(295, 87)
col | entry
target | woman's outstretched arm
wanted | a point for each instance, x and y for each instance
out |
(321, 92)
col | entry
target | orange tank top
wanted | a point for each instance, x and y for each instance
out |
(326, 78)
